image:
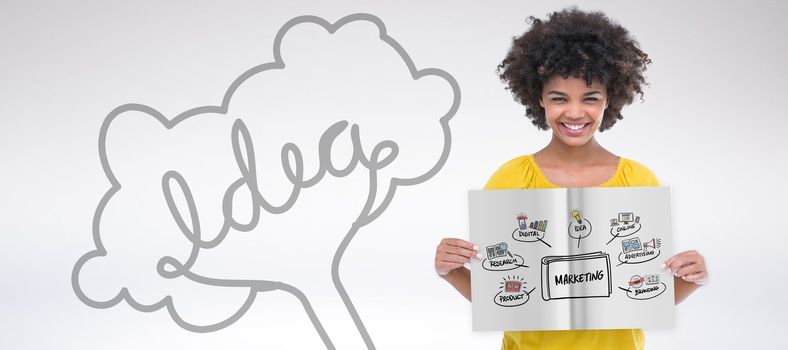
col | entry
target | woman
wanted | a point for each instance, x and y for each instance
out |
(574, 72)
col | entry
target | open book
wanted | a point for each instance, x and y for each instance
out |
(577, 258)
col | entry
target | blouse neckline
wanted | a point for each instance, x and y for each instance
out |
(539, 173)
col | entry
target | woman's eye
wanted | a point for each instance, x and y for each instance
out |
(592, 99)
(558, 99)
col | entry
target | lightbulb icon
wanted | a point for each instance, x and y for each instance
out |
(577, 215)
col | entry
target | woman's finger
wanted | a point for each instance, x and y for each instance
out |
(669, 261)
(460, 243)
(697, 277)
(683, 255)
(680, 261)
(453, 259)
(458, 251)
(688, 269)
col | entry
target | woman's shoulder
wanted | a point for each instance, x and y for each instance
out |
(633, 173)
(515, 173)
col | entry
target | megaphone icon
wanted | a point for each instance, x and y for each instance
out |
(654, 243)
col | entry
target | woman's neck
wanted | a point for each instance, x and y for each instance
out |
(559, 152)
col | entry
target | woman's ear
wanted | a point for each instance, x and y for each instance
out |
(540, 103)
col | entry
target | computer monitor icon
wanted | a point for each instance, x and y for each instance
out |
(626, 217)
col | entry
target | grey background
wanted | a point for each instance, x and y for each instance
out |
(711, 127)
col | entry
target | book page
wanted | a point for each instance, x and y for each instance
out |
(557, 259)
(513, 233)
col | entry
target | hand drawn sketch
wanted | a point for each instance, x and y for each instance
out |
(579, 273)
(513, 292)
(635, 252)
(576, 276)
(623, 225)
(644, 287)
(500, 258)
(243, 204)
(533, 231)
(579, 227)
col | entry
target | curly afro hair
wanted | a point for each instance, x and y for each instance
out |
(580, 44)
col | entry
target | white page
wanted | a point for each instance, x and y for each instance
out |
(571, 270)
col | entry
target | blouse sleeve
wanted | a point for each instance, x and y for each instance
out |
(636, 174)
(514, 174)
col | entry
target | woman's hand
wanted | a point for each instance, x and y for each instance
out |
(689, 266)
(453, 253)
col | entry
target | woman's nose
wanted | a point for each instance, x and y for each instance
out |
(575, 110)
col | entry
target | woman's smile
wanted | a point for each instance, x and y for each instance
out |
(574, 129)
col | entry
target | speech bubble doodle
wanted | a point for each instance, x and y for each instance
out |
(579, 230)
(173, 183)
(499, 258)
(533, 231)
(513, 292)
(637, 258)
(623, 225)
(529, 236)
(635, 252)
(646, 292)
(504, 263)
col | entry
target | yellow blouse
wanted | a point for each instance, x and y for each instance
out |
(523, 173)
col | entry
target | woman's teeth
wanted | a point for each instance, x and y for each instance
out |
(573, 127)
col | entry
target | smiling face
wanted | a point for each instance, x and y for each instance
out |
(573, 110)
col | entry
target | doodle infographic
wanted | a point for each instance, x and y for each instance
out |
(576, 276)
(530, 231)
(513, 292)
(579, 227)
(633, 251)
(499, 258)
(623, 225)
(244, 201)
(644, 287)
(580, 272)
